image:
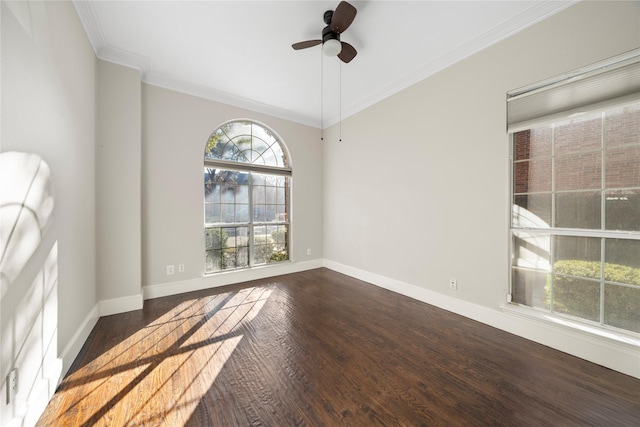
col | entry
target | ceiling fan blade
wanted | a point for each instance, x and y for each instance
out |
(343, 17)
(347, 53)
(306, 44)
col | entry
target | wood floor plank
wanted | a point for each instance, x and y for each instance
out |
(318, 348)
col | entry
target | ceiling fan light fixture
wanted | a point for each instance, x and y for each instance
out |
(332, 47)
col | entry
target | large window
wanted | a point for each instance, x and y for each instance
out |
(247, 182)
(575, 221)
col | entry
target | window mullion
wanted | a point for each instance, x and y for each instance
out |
(603, 199)
(602, 267)
(553, 219)
(250, 214)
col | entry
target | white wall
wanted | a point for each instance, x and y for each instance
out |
(48, 109)
(175, 129)
(417, 192)
(118, 188)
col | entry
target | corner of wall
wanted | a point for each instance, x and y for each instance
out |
(73, 347)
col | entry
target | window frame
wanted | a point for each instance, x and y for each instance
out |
(552, 232)
(252, 170)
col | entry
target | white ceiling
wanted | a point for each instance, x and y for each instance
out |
(239, 52)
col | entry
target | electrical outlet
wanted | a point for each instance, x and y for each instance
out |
(12, 385)
(453, 284)
(181, 268)
(308, 251)
(170, 270)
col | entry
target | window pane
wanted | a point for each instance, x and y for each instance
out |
(531, 250)
(576, 297)
(529, 288)
(622, 126)
(231, 151)
(233, 129)
(532, 176)
(259, 196)
(262, 253)
(242, 257)
(229, 258)
(227, 193)
(579, 134)
(213, 261)
(578, 210)
(259, 213)
(263, 245)
(532, 210)
(622, 210)
(579, 172)
(259, 147)
(211, 213)
(280, 236)
(211, 193)
(272, 212)
(270, 194)
(577, 256)
(280, 243)
(270, 158)
(533, 143)
(622, 261)
(235, 251)
(211, 190)
(227, 213)
(274, 156)
(215, 238)
(622, 307)
(242, 213)
(280, 195)
(623, 167)
(242, 194)
(237, 236)
(264, 134)
(270, 180)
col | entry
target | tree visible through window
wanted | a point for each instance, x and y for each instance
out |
(246, 197)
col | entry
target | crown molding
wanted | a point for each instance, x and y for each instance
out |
(91, 23)
(205, 92)
(536, 13)
(125, 58)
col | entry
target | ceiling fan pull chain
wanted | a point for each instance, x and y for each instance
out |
(321, 96)
(340, 84)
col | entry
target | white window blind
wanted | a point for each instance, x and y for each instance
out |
(615, 81)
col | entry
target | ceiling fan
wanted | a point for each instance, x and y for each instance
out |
(337, 22)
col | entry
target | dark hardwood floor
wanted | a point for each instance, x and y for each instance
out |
(319, 348)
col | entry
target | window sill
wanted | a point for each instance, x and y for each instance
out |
(248, 270)
(630, 339)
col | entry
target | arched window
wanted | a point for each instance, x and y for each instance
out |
(247, 178)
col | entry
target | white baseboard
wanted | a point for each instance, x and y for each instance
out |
(619, 355)
(73, 347)
(120, 305)
(227, 278)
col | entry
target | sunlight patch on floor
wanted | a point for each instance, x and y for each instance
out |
(165, 368)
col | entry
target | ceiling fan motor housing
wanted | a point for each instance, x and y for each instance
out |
(327, 34)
